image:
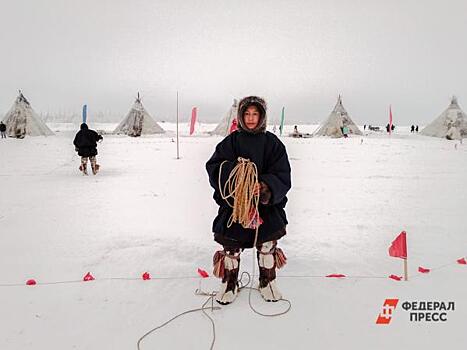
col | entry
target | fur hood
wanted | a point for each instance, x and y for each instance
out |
(259, 103)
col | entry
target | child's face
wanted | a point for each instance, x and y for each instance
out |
(251, 117)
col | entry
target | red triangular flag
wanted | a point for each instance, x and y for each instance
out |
(31, 282)
(203, 273)
(146, 276)
(398, 248)
(88, 277)
(462, 261)
(423, 270)
(336, 275)
(394, 277)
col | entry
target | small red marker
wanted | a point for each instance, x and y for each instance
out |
(88, 277)
(396, 278)
(31, 282)
(146, 276)
(203, 273)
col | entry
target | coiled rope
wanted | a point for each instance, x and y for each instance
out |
(241, 185)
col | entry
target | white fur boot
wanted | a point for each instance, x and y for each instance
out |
(226, 266)
(269, 258)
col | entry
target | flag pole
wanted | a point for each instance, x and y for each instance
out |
(406, 262)
(406, 273)
(178, 152)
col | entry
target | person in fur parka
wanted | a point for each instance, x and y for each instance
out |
(86, 145)
(253, 142)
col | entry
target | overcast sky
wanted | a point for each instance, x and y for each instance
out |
(298, 54)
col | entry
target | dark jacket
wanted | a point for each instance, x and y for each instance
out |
(86, 141)
(270, 157)
(2, 127)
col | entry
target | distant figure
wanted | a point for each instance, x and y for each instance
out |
(233, 126)
(295, 131)
(364, 127)
(387, 128)
(412, 128)
(3, 130)
(416, 128)
(393, 127)
(345, 131)
(86, 145)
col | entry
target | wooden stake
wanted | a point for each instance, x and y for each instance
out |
(406, 272)
(178, 153)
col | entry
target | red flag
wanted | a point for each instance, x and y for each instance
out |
(88, 277)
(203, 273)
(194, 112)
(390, 119)
(423, 270)
(398, 248)
(233, 126)
(462, 261)
(336, 275)
(146, 276)
(396, 278)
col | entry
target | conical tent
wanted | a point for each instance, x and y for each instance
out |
(138, 122)
(223, 128)
(451, 124)
(337, 120)
(21, 120)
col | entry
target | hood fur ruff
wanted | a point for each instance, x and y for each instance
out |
(259, 103)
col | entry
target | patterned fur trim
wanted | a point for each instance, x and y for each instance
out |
(262, 107)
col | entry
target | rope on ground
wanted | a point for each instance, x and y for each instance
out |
(202, 309)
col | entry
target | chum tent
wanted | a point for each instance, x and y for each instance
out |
(21, 120)
(337, 120)
(451, 124)
(223, 128)
(138, 122)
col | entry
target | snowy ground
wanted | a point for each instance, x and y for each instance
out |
(147, 211)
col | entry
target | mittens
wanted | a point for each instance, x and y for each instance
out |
(264, 193)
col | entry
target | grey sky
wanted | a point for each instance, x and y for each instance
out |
(299, 54)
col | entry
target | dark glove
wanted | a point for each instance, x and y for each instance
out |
(264, 193)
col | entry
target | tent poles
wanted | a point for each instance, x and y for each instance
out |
(178, 153)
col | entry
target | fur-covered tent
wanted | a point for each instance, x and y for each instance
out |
(138, 122)
(21, 120)
(337, 120)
